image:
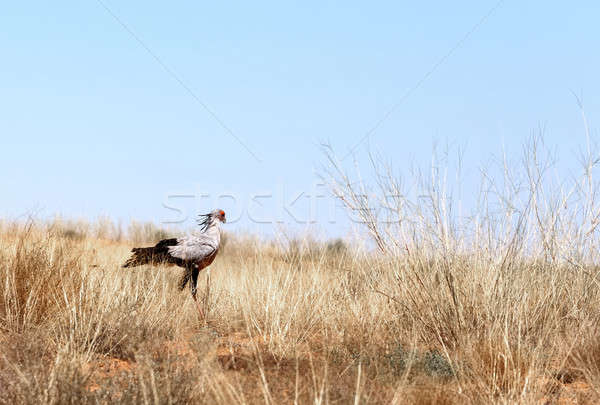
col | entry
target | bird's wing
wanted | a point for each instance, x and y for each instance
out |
(196, 247)
(166, 243)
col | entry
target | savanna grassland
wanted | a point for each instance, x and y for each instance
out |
(498, 306)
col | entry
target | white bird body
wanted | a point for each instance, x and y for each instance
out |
(199, 248)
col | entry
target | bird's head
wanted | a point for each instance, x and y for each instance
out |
(220, 215)
(206, 220)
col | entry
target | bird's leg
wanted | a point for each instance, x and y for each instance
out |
(194, 289)
(184, 279)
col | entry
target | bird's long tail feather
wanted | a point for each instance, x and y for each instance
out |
(151, 255)
(139, 257)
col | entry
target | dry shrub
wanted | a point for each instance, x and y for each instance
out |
(502, 369)
(31, 372)
(34, 267)
(583, 362)
(501, 283)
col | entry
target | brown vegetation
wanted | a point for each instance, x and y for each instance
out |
(501, 308)
(77, 328)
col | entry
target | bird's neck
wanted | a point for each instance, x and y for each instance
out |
(214, 230)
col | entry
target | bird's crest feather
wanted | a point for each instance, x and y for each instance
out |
(205, 221)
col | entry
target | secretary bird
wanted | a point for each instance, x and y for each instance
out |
(194, 252)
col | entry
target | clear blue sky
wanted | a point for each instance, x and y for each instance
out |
(91, 124)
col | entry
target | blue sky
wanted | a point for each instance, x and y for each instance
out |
(91, 124)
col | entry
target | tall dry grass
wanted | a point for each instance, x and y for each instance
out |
(500, 305)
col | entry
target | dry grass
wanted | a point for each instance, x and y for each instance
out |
(503, 308)
(75, 327)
